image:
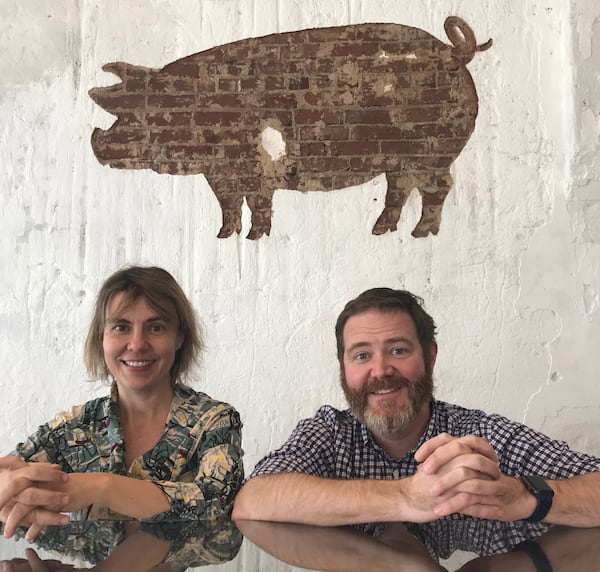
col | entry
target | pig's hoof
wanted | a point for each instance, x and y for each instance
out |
(256, 233)
(422, 230)
(225, 232)
(383, 227)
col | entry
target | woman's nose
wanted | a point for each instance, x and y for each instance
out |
(137, 340)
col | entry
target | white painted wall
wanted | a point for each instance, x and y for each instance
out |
(513, 278)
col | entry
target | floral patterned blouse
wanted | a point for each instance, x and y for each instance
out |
(197, 462)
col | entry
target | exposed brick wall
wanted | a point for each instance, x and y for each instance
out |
(347, 103)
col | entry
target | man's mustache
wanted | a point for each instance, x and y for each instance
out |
(385, 383)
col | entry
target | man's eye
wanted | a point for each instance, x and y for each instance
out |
(361, 356)
(399, 351)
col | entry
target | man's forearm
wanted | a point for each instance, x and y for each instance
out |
(295, 497)
(576, 501)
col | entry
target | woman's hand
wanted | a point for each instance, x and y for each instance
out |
(28, 496)
(33, 506)
(15, 514)
(29, 481)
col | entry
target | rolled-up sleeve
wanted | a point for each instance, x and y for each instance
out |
(208, 492)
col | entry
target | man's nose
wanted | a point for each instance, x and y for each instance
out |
(381, 366)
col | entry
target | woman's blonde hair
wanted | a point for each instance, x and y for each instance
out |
(165, 296)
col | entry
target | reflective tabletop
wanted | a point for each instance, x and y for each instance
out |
(252, 546)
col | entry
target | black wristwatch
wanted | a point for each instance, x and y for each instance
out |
(538, 487)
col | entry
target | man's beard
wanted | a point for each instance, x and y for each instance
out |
(389, 420)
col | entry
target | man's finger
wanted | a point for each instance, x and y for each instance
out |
(476, 444)
(467, 480)
(427, 448)
(454, 447)
(469, 504)
(488, 512)
(480, 445)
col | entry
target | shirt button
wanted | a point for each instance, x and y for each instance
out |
(396, 473)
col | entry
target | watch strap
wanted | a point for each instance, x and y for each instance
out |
(537, 555)
(544, 504)
(544, 501)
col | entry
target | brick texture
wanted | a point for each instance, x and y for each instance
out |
(348, 103)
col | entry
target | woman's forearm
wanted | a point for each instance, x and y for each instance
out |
(124, 495)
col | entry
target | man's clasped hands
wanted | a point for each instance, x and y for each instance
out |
(462, 475)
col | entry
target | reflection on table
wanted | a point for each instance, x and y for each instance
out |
(130, 546)
(170, 547)
(345, 549)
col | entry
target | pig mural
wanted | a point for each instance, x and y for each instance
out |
(313, 110)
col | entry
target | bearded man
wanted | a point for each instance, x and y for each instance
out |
(458, 478)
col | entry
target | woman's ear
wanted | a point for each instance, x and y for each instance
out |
(180, 339)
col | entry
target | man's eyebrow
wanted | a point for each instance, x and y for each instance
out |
(401, 339)
(395, 340)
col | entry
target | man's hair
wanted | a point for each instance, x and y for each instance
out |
(388, 300)
(164, 296)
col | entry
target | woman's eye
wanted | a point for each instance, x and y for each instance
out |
(120, 328)
(157, 328)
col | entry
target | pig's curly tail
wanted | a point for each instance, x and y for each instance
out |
(463, 39)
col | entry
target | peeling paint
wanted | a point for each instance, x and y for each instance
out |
(273, 143)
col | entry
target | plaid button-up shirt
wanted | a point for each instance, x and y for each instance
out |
(334, 444)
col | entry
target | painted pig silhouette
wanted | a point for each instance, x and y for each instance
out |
(313, 110)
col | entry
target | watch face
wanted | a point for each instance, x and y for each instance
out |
(537, 484)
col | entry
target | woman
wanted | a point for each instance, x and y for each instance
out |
(154, 449)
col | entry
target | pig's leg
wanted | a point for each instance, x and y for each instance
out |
(231, 208)
(398, 190)
(432, 199)
(260, 206)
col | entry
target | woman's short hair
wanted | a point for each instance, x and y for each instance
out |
(165, 296)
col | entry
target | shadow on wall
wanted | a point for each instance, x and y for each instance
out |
(312, 110)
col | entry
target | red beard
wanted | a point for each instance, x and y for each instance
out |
(420, 392)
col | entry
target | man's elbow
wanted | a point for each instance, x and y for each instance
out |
(243, 505)
(256, 498)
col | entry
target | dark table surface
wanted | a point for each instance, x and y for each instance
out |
(264, 546)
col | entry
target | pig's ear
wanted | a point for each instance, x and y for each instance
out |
(123, 70)
(132, 83)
